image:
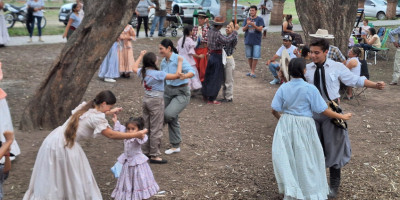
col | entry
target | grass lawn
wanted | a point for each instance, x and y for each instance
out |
(48, 30)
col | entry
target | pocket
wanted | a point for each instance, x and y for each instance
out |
(333, 76)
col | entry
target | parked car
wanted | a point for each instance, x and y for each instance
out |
(377, 8)
(185, 8)
(66, 9)
(214, 6)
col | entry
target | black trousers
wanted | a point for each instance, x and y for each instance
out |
(146, 25)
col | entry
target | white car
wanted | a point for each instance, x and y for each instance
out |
(377, 8)
(185, 8)
(214, 6)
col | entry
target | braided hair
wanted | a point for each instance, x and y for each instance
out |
(296, 68)
(149, 60)
(186, 32)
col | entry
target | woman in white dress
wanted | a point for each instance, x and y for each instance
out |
(4, 37)
(6, 122)
(354, 64)
(62, 170)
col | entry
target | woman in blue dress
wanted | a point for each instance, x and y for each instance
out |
(297, 154)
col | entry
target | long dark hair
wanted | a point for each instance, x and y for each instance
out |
(138, 121)
(74, 7)
(70, 132)
(296, 68)
(372, 31)
(186, 32)
(168, 43)
(149, 60)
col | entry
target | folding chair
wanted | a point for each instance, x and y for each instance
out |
(357, 92)
(383, 48)
(381, 32)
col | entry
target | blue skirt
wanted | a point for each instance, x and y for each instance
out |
(110, 66)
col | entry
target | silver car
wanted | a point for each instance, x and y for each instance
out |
(214, 6)
(377, 8)
(185, 8)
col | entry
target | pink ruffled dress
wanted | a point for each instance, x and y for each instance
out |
(136, 180)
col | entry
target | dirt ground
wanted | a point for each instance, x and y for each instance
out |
(226, 149)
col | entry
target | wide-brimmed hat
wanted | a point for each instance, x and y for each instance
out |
(284, 63)
(200, 14)
(287, 37)
(218, 21)
(322, 33)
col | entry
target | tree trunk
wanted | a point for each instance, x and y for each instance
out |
(316, 14)
(66, 82)
(391, 9)
(361, 3)
(277, 12)
(226, 9)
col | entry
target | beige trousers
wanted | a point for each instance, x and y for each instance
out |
(228, 78)
(396, 67)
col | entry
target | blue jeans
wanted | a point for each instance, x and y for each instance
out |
(160, 21)
(273, 68)
(32, 26)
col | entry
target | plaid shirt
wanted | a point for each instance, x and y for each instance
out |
(335, 54)
(216, 40)
(393, 33)
(230, 47)
(204, 34)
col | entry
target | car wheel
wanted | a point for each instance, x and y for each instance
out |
(381, 16)
(174, 33)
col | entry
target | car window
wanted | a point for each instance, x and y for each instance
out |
(199, 2)
(368, 2)
(183, 1)
(207, 3)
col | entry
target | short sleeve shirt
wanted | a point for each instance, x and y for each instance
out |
(153, 81)
(290, 50)
(76, 20)
(252, 36)
(38, 4)
(298, 98)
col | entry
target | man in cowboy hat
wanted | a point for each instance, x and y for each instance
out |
(215, 68)
(200, 35)
(326, 75)
(396, 67)
(334, 53)
(252, 39)
(274, 66)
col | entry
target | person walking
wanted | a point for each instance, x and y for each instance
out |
(265, 6)
(252, 27)
(396, 64)
(37, 6)
(159, 17)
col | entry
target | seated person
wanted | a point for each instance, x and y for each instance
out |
(370, 40)
(287, 29)
(354, 64)
(364, 29)
(274, 66)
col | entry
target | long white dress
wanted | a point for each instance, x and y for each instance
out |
(64, 173)
(4, 37)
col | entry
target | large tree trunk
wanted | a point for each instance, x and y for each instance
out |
(277, 12)
(361, 3)
(316, 14)
(391, 9)
(66, 82)
(226, 9)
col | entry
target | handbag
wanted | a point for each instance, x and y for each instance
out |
(334, 106)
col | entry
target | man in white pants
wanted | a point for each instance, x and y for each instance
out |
(396, 67)
(265, 7)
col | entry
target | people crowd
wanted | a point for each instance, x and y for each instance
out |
(306, 139)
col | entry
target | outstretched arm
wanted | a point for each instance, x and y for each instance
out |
(135, 66)
(328, 112)
(109, 133)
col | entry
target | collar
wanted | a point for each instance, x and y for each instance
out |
(296, 80)
(172, 57)
(327, 63)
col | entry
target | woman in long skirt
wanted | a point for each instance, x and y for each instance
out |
(297, 155)
(4, 37)
(109, 69)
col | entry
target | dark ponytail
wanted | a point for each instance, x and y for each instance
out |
(296, 68)
(70, 132)
(168, 43)
(149, 60)
(186, 32)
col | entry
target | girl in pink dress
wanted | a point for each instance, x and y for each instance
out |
(136, 181)
(185, 48)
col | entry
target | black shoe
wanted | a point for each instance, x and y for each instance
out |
(158, 161)
(333, 192)
(334, 177)
(226, 100)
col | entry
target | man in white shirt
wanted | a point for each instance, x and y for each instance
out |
(274, 66)
(326, 75)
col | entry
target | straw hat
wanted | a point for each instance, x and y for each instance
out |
(322, 33)
(284, 63)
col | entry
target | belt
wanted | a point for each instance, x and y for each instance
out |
(179, 86)
(219, 51)
(72, 28)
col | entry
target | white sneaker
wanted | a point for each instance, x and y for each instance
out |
(275, 81)
(171, 151)
(110, 80)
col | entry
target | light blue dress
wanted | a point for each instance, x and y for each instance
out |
(110, 66)
(297, 155)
